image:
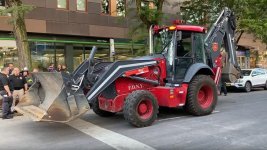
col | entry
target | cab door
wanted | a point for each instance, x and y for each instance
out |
(184, 55)
(255, 78)
(262, 77)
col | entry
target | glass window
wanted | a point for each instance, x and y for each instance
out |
(105, 7)
(60, 53)
(81, 5)
(62, 4)
(78, 55)
(162, 40)
(101, 53)
(123, 52)
(255, 73)
(199, 47)
(246, 72)
(120, 6)
(42, 54)
(8, 55)
(2, 3)
(261, 72)
(184, 46)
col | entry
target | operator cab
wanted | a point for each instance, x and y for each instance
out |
(182, 46)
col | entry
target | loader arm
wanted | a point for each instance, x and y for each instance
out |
(221, 34)
(59, 97)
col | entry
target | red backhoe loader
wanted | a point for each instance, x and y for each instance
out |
(183, 70)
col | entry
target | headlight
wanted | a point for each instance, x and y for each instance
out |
(239, 81)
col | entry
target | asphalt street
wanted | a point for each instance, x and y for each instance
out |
(239, 122)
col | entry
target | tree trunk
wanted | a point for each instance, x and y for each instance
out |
(20, 34)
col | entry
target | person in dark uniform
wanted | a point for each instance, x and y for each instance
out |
(19, 84)
(11, 67)
(223, 88)
(5, 92)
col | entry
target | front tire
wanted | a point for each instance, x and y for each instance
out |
(265, 86)
(98, 111)
(248, 86)
(140, 108)
(201, 96)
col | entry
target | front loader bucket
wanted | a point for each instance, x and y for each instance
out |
(50, 99)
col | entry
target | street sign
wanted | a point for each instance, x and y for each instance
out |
(2, 3)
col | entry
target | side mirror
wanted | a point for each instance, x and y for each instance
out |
(253, 75)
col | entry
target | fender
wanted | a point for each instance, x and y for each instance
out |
(114, 71)
(195, 69)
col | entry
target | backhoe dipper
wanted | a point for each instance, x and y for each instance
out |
(183, 69)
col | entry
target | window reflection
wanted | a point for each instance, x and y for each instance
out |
(78, 55)
(105, 7)
(62, 4)
(8, 55)
(43, 54)
(81, 5)
(120, 6)
(60, 51)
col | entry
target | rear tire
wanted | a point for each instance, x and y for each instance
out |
(248, 87)
(265, 87)
(140, 108)
(98, 111)
(201, 96)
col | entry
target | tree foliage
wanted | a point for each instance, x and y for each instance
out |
(255, 18)
(142, 14)
(149, 12)
(251, 14)
(17, 10)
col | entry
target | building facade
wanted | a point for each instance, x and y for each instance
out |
(251, 52)
(64, 31)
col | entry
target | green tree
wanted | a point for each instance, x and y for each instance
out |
(17, 10)
(141, 15)
(149, 12)
(255, 18)
(251, 14)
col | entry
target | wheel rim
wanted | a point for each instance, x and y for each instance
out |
(145, 109)
(205, 96)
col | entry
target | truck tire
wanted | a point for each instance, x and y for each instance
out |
(248, 86)
(140, 108)
(201, 96)
(98, 111)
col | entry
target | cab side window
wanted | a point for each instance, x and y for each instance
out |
(184, 46)
(255, 73)
(199, 47)
(261, 72)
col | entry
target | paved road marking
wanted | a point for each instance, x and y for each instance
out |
(172, 118)
(113, 139)
(215, 111)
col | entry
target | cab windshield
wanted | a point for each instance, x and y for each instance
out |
(246, 72)
(161, 41)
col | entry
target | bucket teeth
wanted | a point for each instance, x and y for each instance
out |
(47, 99)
